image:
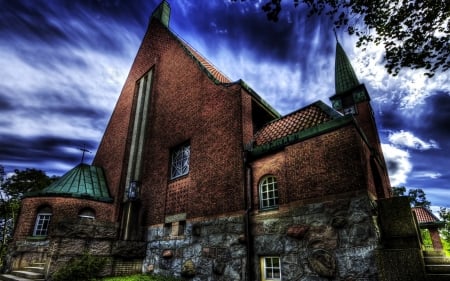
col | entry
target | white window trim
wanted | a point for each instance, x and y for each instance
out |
(274, 184)
(264, 268)
(36, 224)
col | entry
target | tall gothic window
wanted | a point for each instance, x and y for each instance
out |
(268, 192)
(180, 161)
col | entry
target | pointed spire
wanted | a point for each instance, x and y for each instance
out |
(344, 75)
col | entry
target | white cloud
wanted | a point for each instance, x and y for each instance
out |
(97, 86)
(427, 174)
(398, 162)
(409, 88)
(408, 140)
(283, 86)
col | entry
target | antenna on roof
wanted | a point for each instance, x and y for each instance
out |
(84, 150)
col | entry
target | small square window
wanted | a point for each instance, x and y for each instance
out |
(270, 269)
(180, 161)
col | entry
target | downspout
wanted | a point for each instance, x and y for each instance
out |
(248, 209)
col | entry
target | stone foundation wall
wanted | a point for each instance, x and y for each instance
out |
(332, 239)
(212, 249)
(70, 239)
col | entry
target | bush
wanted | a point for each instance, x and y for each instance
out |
(140, 277)
(84, 268)
(426, 239)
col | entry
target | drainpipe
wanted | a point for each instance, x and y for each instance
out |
(248, 205)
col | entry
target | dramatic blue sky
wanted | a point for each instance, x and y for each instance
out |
(63, 64)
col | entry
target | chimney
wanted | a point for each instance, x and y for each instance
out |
(162, 13)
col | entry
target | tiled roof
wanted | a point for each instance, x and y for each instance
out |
(308, 117)
(424, 216)
(209, 67)
(83, 181)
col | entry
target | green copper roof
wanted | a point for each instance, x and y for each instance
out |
(83, 181)
(344, 75)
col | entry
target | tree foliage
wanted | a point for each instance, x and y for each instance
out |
(415, 34)
(25, 181)
(417, 196)
(444, 213)
(12, 189)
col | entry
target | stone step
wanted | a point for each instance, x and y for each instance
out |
(438, 268)
(36, 269)
(437, 260)
(438, 277)
(10, 277)
(28, 274)
(433, 253)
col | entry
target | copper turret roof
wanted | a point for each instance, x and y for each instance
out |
(83, 181)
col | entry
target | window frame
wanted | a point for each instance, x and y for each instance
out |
(42, 224)
(272, 268)
(180, 157)
(265, 190)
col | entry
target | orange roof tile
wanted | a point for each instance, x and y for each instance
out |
(299, 120)
(219, 76)
(424, 215)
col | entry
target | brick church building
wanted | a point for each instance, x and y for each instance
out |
(198, 177)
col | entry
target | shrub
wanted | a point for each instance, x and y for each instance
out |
(83, 268)
(140, 277)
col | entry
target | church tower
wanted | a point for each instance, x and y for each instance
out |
(352, 98)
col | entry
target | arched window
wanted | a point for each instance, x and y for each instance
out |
(42, 221)
(268, 193)
(87, 213)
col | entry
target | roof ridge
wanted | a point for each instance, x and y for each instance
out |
(324, 107)
(310, 117)
(427, 211)
(219, 76)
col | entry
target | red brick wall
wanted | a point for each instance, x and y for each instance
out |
(366, 120)
(328, 164)
(270, 165)
(62, 209)
(186, 105)
(247, 122)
